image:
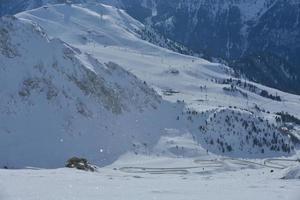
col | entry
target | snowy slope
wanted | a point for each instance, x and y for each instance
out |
(8, 7)
(95, 107)
(211, 183)
(110, 38)
(262, 34)
(292, 173)
(59, 102)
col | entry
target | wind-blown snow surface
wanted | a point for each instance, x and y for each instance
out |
(112, 184)
(292, 173)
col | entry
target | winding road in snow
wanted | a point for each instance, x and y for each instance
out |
(210, 164)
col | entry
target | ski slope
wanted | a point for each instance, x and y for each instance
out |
(110, 34)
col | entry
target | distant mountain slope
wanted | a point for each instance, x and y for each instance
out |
(237, 31)
(8, 7)
(233, 30)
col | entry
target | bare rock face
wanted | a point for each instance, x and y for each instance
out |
(80, 164)
(6, 47)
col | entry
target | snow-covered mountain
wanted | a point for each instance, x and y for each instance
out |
(8, 7)
(59, 101)
(79, 81)
(259, 38)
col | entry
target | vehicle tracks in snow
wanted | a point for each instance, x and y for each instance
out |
(211, 164)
